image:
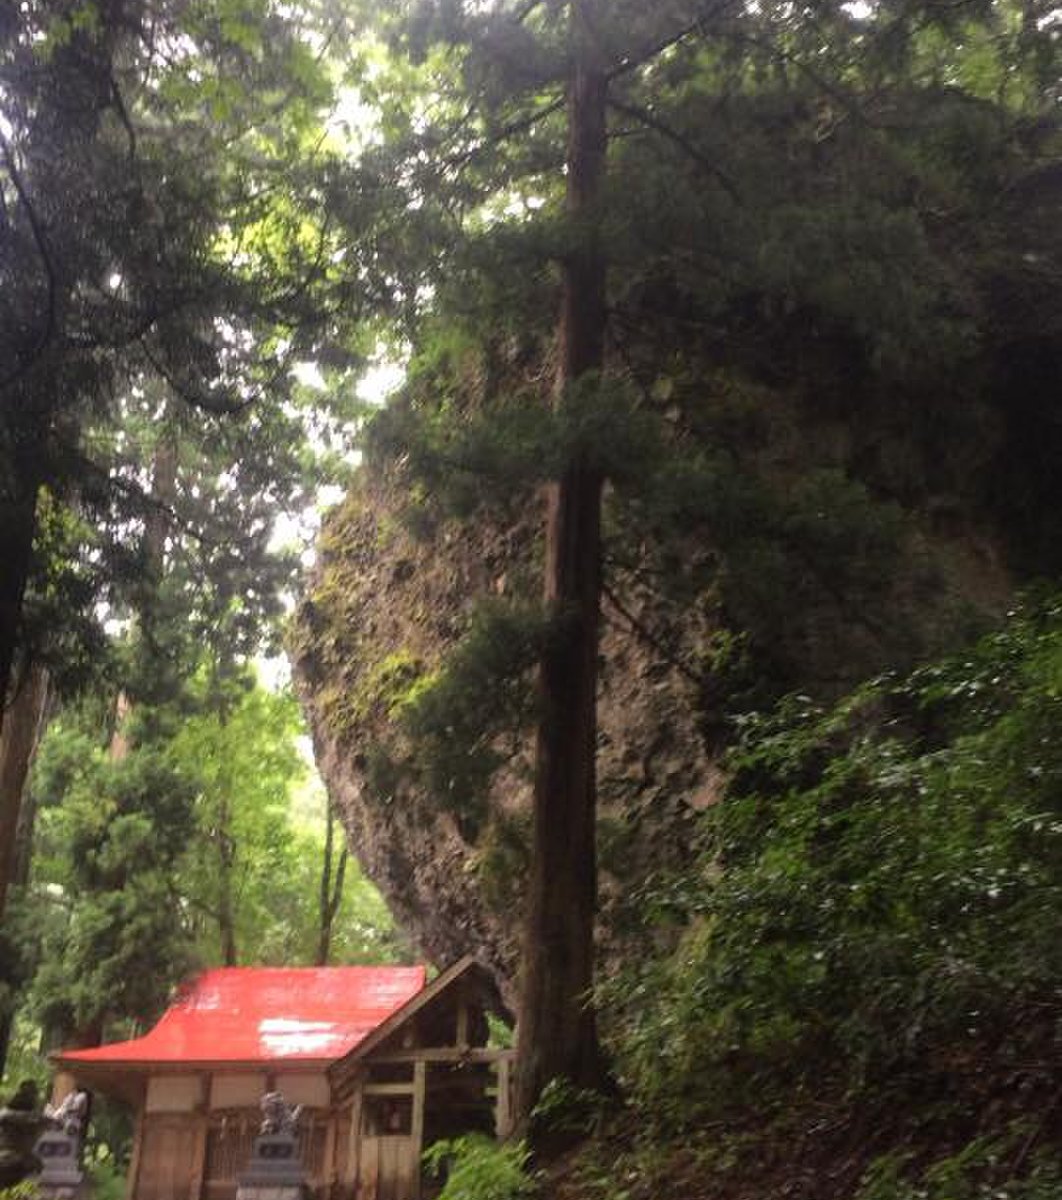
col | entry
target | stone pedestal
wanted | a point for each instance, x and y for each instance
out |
(274, 1172)
(61, 1176)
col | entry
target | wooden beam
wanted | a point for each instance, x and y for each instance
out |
(467, 968)
(390, 1089)
(345, 1082)
(420, 1079)
(444, 1054)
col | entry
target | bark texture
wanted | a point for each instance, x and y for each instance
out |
(557, 1029)
(226, 913)
(18, 742)
(18, 520)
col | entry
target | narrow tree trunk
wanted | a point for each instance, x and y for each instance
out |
(7, 1029)
(118, 750)
(156, 528)
(331, 889)
(18, 743)
(226, 908)
(557, 1027)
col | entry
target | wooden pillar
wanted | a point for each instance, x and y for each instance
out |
(199, 1149)
(503, 1121)
(134, 1161)
(62, 1085)
(199, 1146)
(328, 1167)
(420, 1079)
(354, 1155)
(462, 1023)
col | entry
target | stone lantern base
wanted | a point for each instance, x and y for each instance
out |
(61, 1176)
(274, 1171)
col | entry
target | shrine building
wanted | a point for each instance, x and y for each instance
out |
(383, 1062)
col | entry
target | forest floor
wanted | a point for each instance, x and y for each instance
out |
(828, 1149)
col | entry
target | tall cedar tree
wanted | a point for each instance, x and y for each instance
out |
(558, 1033)
(801, 213)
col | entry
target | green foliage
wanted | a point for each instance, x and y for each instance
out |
(563, 1108)
(140, 861)
(108, 1180)
(241, 753)
(26, 1190)
(468, 455)
(477, 1168)
(982, 1170)
(108, 1143)
(110, 835)
(161, 268)
(467, 720)
(874, 912)
(502, 858)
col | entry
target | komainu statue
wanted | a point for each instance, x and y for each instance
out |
(278, 1116)
(70, 1115)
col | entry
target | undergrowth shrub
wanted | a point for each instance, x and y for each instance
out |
(26, 1190)
(877, 907)
(977, 1172)
(477, 1168)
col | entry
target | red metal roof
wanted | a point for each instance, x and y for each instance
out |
(265, 1014)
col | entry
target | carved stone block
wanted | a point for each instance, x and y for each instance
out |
(275, 1171)
(61, 1176)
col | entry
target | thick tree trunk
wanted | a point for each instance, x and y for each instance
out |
(27, 816)
(15, 856)
(18, 742)
(18, 527)
(557, 1028)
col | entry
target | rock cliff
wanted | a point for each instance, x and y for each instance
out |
(391, 595)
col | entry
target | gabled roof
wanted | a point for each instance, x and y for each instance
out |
(466, 967)
(265, 1015)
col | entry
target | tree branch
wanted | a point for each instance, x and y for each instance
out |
(145, 501)
(652, 122)
(123, 116)
(647, 635)
(824, 85)
(522, 125)
(45, 255)
(627, 65)
(198, 399)
(524, 11)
